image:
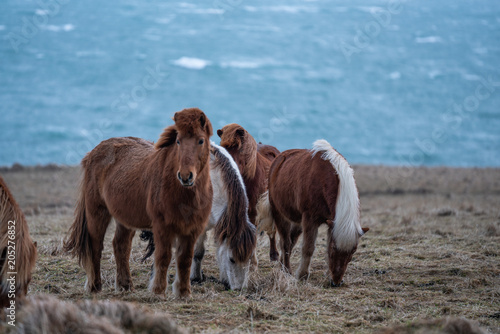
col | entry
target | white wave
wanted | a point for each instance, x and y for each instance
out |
(434, 73)
(250, 8)
(282, 9)
(470, 77)
(429, 39)
(90, 53)
(41, 12)
(480, 51)
(207, 11)
(192, 9)
(395, 75)
(192, 63)
(65, 27)
(2, 27)
(186, 5)
(165, 20)
(241, 64)
(370, 9)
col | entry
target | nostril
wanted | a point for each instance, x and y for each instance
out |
(179, 176)
(190, 176)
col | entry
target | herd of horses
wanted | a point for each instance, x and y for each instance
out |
(177, 189)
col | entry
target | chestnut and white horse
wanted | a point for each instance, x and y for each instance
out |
(308, 188)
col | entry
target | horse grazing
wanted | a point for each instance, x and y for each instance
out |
(164, 187)
(17, 249)
(234, 233)
(308, 188)
(254, 161)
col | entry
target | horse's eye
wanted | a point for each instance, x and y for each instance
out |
(178, 142)
(232, 260)
(201, 142)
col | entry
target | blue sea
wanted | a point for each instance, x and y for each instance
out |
(385, 82)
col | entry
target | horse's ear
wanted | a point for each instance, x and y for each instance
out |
(206, 125)
(175, 117)
(365, 229)
(219, 133)
(240, 132)
(203, 120)
(35, 244)
(167, 138)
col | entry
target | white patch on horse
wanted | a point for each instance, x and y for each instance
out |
(347, 228)
(236, 274)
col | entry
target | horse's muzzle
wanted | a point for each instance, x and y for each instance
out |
(335, 285)
(186, 182)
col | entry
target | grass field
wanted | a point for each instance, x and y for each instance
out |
(433, 250)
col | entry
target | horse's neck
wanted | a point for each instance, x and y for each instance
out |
(220, 198)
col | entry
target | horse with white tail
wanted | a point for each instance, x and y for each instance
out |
(308, 188)
(234, 234)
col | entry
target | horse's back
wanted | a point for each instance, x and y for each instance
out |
(302, 183)
(114, 172)
(115, 150)
(267, 151)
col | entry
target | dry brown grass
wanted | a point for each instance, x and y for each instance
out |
(432, 252)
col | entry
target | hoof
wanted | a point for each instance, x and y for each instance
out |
(199, 280)
(186, 294)
(274, 256)
(302, 276)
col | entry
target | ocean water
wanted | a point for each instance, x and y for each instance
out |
(385, 82)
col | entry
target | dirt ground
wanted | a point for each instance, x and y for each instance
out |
(433, 251)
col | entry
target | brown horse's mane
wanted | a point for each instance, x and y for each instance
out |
(236, 136)
(234, 224)
(24, 246)
(186, 123)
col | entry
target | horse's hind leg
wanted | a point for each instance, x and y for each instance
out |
(273, 251)
(98, 219)
(310, 229)
(122, 245)
(283, 228)
(199, 253)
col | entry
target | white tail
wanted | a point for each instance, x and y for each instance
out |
(347, 228)
(265, 221)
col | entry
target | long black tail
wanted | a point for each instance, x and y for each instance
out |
(150, 249)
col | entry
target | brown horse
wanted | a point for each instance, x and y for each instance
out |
(233, 232)
(254, 161)
(164, 187)
(308, 188)
(17, 249)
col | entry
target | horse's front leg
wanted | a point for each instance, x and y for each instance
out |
(199, 253)
(122, 245)
(163, 254)
(185, 251)
(308, 245)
